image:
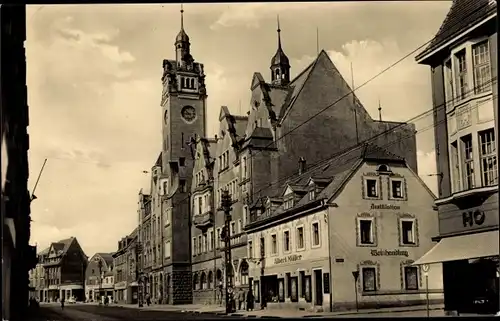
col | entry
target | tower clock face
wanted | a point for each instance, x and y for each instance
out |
(188, 113)
(165, 117)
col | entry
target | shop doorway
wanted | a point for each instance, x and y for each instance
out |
(318, 287)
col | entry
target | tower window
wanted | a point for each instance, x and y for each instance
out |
(192, 83)
(183, 84)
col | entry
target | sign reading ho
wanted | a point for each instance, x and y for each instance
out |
(470, 218)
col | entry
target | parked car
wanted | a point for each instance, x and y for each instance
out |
(71, 300)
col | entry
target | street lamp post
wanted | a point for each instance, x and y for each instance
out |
(425, 268)
(355, 274)
(226, 203)
(138, 276)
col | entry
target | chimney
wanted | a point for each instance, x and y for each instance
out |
(302, 165)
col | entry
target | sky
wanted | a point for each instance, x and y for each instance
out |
(94, 90)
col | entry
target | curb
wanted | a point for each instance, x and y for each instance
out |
(389, 311)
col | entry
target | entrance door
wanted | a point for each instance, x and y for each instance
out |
(318, 287)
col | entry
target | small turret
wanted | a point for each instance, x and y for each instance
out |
(280, 65)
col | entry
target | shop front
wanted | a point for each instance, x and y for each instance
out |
(292, 281)
(468, 248)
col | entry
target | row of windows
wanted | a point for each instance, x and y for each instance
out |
(462, 161)
(396, 188)
(369, 280)
(202, 204)
(286, 237)
(188, 83)
(367, 235)
(460, 77)
(205, 242)
(232, 187)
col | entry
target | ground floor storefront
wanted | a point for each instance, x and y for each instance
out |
(292, 283)
(126, 293)
(470, 271)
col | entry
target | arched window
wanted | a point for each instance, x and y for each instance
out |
(218, 277)
(196, 282)
(192, 83)
(383, 168)
(203, 280)
(210, 280)
(244, 272)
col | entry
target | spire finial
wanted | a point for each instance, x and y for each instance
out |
(279, 32)
(182, 16)
(379, 110)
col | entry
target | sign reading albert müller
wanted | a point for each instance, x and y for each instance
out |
(389, 253)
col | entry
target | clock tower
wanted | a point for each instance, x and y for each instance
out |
(183, 106)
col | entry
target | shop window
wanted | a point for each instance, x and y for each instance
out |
(411, 277)
(300, 238)
(366, 235)
(286, 241)
(256, 291)
(294, 293)
(315, 235)
(308, 288)
(274, 244)
(408, 232)
(281, 290)
(288, 285)
(369, 279)
(302, 282)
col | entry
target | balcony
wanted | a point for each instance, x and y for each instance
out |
(204, 221)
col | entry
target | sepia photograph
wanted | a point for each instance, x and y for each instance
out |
(228, 160)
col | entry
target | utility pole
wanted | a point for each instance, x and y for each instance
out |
(226, 203)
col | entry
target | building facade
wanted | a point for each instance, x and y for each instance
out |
(99, 277)
(364, 210)
(64, 264)
(252, 154)
(125, 271)
(18, 257)
(463, 61)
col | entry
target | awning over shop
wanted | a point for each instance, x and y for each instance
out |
(462, 247)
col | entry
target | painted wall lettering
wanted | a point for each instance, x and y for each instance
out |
(389, 253)
(471, 218)
(290, 258)
(385, 207)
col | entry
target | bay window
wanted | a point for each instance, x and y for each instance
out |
(468, 162)
(488, 157)
(481, 65)
(461, 74)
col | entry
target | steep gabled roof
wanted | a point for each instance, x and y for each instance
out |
(462, 15)
(158, 161)
(334, 172)
(107, 257)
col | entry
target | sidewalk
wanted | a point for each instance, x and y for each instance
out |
(436, 310)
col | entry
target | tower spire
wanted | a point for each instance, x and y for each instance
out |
(279, 32)
(182, 16)
(280, 66)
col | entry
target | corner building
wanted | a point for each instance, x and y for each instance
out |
(364, 210)
(463, 61)
(252, 154)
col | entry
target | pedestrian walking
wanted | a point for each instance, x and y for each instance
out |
(62, 303)
(241, 299)
(250, 300)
